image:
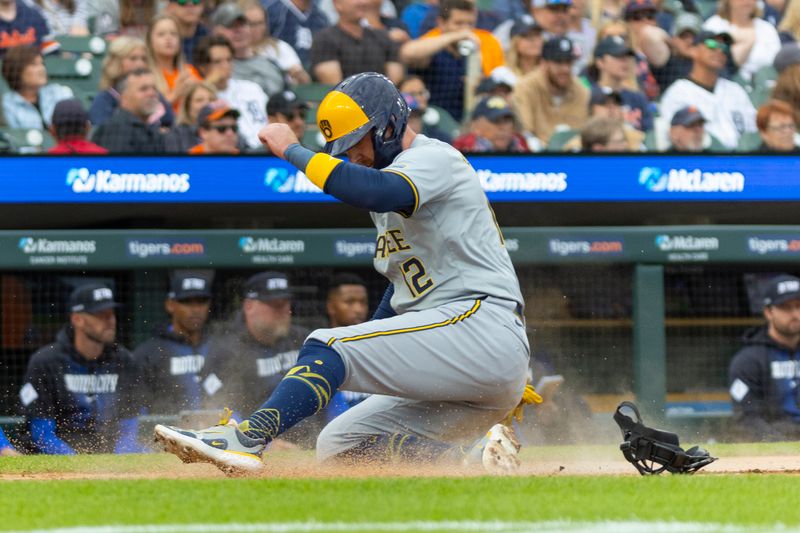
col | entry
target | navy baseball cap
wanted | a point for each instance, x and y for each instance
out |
(637, 6)
(266, 286)
(91, 298)
(705, 35)
(184, 285)
(493, 108)
(559, 49)
(524, 25)
(71, 115)
(548, 3)
(686, 116)
(602, 95)
(782, 289)
(615, 46)
(286, 103)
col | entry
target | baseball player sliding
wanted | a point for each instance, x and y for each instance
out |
(445, 355)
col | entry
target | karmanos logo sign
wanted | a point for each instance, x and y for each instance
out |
(690, 181)
(82, 181)
(43, 251)
(522, 181)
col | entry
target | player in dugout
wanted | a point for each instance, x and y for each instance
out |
(170, 361)
(346, 305)
(79, 391)
(446, 354)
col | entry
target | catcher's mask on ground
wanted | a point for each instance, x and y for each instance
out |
(652, 451)
(363, 104)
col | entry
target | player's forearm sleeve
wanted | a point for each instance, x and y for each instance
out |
(356, 185)
(43, 432)
(126, 443)
(384, 309)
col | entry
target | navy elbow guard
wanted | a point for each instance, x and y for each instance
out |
(651, 451)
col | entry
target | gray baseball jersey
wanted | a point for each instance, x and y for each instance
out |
(454, 360)
(450, 246)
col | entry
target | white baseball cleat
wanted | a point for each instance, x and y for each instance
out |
(500, 455)
(224, 446)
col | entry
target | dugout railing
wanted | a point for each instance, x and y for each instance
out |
(653, 313)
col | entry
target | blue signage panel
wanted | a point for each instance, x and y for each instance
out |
(253, 179)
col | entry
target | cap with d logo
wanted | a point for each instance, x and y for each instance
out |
(267, 286)
(91, 298)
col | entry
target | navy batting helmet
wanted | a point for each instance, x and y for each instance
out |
(364, 103)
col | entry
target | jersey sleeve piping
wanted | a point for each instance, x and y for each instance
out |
(404, 213)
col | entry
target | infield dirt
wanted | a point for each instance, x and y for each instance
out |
(294, 466)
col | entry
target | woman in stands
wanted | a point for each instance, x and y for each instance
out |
(124, 55)
(173, 75)
(280, 52)
(31, 101)
(755, 41)
(184, 135)
(525, 50)
(65, 17)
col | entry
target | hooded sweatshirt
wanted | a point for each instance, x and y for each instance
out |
(170, 367)
(764, 377)
(86, 399)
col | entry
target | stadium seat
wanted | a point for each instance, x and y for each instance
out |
(706, 7)
(82, 74)
(436, 116)
(313, 93)
(312, 138)
(559, 138)
(763, 83)
(26, 141)
(749, 142)
(96, 46)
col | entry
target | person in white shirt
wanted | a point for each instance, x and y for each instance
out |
(213, 58)
(723, 103)
(755, 41)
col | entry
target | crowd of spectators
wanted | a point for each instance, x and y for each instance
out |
(619, 75)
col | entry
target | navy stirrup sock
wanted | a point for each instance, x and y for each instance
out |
(305, 389)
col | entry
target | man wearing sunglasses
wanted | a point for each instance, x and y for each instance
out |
(188, 13)
(723, 103)
(286, 108)
(216, 125)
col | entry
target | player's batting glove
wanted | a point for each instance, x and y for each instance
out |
(529, 396)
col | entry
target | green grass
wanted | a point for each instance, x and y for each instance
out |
(744, 499)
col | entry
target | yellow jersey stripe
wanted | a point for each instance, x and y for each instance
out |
(320, 167)
(447, 322)
(413, 189)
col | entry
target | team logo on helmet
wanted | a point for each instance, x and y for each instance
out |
(325, 126)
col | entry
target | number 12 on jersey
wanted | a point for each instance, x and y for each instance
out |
(415, 276)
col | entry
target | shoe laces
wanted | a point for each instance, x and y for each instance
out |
(529, 397)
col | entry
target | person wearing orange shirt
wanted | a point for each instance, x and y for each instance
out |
(173, 75)
(216, 125)
(439, 57)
